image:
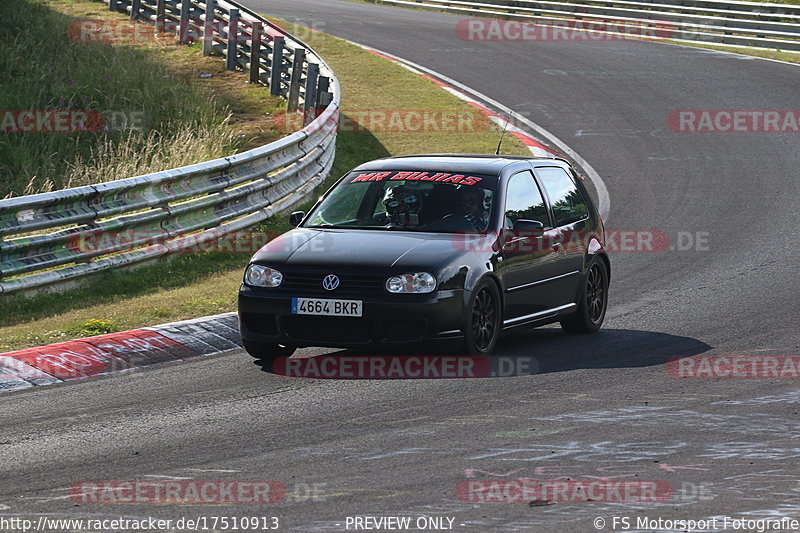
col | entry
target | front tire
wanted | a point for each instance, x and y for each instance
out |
(593, 302)
(267, 351)
(483, 320)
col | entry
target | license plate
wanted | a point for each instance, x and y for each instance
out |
(318, 306)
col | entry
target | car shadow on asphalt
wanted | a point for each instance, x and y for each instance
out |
(558, 351)
(539, 351)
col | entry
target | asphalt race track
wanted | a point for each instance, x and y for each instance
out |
(598, 406)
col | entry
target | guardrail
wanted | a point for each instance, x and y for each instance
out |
(719, 22)
(44, 237)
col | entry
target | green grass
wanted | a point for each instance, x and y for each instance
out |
(202, 284)
(790, 57)
(175, 121)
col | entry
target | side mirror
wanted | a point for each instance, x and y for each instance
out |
(296, 218)
(528, 225)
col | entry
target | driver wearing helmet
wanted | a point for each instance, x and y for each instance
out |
(474, 205)
(402, 207)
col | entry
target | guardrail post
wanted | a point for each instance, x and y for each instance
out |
(296, 78)
(255, 52)
(183, 36)
(232, 36)
(208, 27)
(323, 96)
(161, 15)
(310, 104)
(277, 66)
(136, 8)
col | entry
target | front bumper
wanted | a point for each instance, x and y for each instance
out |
(265, 316)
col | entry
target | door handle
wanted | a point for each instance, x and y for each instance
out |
(556, 239)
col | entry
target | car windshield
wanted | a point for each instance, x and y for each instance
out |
(439, 202)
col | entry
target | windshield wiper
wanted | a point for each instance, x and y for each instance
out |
(344, 226)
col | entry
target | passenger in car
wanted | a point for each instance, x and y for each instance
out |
(403, 207)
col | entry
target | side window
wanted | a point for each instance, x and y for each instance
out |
(567, 202)
(523, 200)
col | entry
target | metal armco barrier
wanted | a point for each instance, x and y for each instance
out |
(728, 23)
(43, 237)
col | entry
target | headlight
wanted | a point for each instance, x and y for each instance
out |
(261, 276)
(413, 282)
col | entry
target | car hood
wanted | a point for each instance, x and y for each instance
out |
(363, 249)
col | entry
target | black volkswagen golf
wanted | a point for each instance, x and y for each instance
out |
(431, 247)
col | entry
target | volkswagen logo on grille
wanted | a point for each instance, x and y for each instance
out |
(330, 282)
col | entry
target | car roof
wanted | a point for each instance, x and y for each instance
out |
(469, 163)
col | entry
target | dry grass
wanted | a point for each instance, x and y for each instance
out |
(119, 160)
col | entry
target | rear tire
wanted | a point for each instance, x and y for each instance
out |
(484, 319)
(593, 303)
(267, 351)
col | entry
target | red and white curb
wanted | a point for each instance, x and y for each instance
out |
(118, 352)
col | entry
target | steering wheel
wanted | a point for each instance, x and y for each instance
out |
(479, 223)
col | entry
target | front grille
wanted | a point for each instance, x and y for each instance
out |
(329, 328)
(312, 284)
